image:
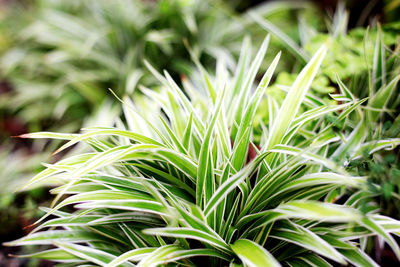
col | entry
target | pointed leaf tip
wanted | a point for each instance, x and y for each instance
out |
(27, 135)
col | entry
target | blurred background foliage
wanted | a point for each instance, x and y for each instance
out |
(58, 60)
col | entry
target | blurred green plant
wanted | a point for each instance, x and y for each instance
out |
(391, 10)
(62, 62)
(383, 170)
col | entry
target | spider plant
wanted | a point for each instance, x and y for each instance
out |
(183, 183)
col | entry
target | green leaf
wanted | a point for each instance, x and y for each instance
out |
(373, 146)
(49, 135)
(90, 254)
(183, 232)
(375, 228)
(271, 28)
(294, 98)
(301, 236)
(57, 255)
(252, 254)
(315, 210)
(358, 257)
(108, 132)
(132, 255)
(48, 237)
